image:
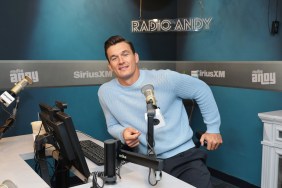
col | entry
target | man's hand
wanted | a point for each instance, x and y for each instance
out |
(213, 140)
(130, 136)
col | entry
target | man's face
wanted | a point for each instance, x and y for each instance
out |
(123, 62)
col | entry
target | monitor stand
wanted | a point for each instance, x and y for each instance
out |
(62, 174)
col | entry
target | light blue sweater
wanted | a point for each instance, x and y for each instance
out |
(125, 106)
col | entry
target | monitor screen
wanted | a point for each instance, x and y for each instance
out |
(64, 138)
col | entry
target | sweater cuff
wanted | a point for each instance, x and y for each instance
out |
(213, 129)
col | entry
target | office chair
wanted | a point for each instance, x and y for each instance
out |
(189, 105)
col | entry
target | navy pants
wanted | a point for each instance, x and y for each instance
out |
(189, 166)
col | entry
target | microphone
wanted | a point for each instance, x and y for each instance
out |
(8, 184)
(8, 97)
(148, 91)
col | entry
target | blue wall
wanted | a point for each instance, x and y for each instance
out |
(76, 30)
(239, 32)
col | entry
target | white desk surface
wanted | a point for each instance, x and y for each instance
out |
(15, 150)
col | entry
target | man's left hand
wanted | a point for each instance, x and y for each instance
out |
(214, 140)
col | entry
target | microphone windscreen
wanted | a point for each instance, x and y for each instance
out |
(146, 87)
(8, 184)
(20, 85)
(148, 91)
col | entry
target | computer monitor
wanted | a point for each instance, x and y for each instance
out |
(59, 126)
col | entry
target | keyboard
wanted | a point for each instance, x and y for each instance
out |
(93, 151)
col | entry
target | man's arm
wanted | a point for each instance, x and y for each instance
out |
(128, 136)
(199, 91)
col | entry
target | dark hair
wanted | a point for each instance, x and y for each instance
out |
(114, 40)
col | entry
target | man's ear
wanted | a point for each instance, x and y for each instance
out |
(136, 57)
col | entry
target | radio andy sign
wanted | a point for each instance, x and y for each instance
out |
(170, 25)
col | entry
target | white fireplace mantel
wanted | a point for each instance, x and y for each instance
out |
(271, 149)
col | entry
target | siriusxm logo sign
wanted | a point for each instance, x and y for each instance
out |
(212, 74)
(18, 74)
(258, 76)
(89, 74)
(205, 73)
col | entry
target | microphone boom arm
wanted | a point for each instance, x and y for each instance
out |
(8, 98)
(143, 160)
(150, 128)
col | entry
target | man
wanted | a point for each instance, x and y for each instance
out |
(124, 108)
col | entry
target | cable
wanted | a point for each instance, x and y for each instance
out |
(37, 169)
(276, 9)
(41, 128)
(202, 7)
(191, 111)
(118, 168)
(2, 106)
(268, 17)
(140, 10)
(97, 174)
(151, 152)
(269, 30)
(10, 121)
(149, 179)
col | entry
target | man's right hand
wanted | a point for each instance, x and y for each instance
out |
(130, 136)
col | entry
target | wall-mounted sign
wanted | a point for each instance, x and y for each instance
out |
(265, 75)
(61, 73)
(170, 25)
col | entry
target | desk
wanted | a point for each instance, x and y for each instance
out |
(15, 150)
